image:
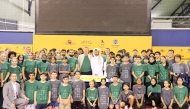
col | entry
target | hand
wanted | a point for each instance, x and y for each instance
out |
(107, 104)
(165, 107)
(149, 77)
(13, 106)
(135, 77)
(71, 100)
(27, 99)
(96, 75)
(58, 100)
(91, 104)
(170, 107)
(35, 103)
(98, 104)
(180, 105)
(24, 78)
(83, 101)
(49, 101)
(2, 83)
(66, 103)
(94, 105)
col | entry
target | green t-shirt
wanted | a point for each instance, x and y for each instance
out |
(158, 62)
(72, 62)
(29, 89)
(20, 65)
(85, 65)
(104, 58)
(16, 70)
(142, 61)
(164, 74)
(151, 69)
(138, 70)
(65, 91)
(115, 90)
(59, 62)
(156, 89)
(5, 67)
(108, 63)
(180, 93)
(42, 67)
(91, 94)
(30, 65)
(43, 92)
(25, 56)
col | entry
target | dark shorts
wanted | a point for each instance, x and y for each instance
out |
(126, 102)
(117, 103)
(41, 106)
(54, 103)
(86, 73)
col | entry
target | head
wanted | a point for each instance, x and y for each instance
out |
(135, 58)
(44, 57)
(143, 52)
(135, 52)
(32, 76)
(123, 50)
(152, 54)
(146, 60)
(163, 59)
(167, 83)
(80, 51)
(115, 78)
(151, 59)
(139, 81)
(76, 55)
(177, 58)
(50, 55)
(7, 50)
(157, 55)
(3, 56)
(85, 50)
(34, 56)
(138, 59)
(125, 58)
(148, 52)
(108, 57)
(28, 50)
(71, 52)
(42, 52)
(66, 79)
(45, 49)
(96, 52)
(54, 74)
(153, 81)
(53, 60)
(126, 86)
(118, 57)
(58, 56)
(65, 59)
(120, 52)
(63, 52)
(11, 54)
(37, 53)
(91, 52)
(107, 51)
(53, 51)
(112, 54)
(13, 77)
(179, 81)
(30, 56)
(14, 61)
(20, 58)
(77, 75)
(57, 51)
(171, 53)
(92, 83)
(112, 60)
(43, 77)
(103, 81)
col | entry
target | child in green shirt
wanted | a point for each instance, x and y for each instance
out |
(29, 88)
(115, 89)
(42, 66)
(65, 91)
(91, 95)
(42, 94)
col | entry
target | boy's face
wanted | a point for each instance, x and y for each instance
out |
(58, 56)
(54, 75)
(126, 59)
(118, 58)
(179, 81)
(135, 59)
(177, 59)
(49, 56)
(66, 80)
(135, 53)
(14, 62)
(120, 53)
(43, 77)
(143, 54)
(80, 51)
(125, 87)
(139, 81)
(64, 60)
(34, 56)
(108, 58)
(138, 60)
(103, 82)
(145, 61)
(77, 75)
(115, 79)
(13, 77)
(32, 76)
(112, 60)
(157, 55)
(53, 60)
(91, 84)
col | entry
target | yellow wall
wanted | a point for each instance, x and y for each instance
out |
(70, 41)
(18, 48)
(183, 51)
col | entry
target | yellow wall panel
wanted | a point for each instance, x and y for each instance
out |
(115, 43)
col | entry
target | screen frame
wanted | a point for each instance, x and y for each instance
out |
(108, 33)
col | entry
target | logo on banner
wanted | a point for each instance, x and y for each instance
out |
(115, 43)
(101, 44)
(86, 43)
(69, 42)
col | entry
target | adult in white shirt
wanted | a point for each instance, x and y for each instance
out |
(12, 94)
(97, 63)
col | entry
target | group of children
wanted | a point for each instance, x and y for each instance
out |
(129, 80)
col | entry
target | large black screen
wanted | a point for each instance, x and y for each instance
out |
(111, 17)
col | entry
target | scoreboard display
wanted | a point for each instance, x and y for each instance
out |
(93, 17)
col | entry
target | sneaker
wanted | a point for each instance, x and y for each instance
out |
(155, 107)
(126, 107)
(130, 108)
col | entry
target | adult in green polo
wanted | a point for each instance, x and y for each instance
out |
(84, 61)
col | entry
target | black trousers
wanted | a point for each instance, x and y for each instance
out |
(142, 107)
(155, 97)
(175, 106)
(76, 104)
(161, 84)
(1, 97)
(86, 73)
